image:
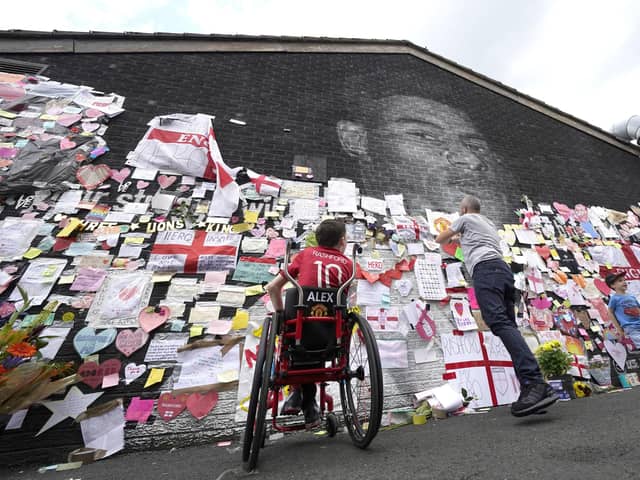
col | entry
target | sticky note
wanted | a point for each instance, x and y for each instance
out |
(110, 380)
(134, 240)
(177, 325)
(253, 290)
(66, 279)
(161, 277)
(258, 332)
(251, 216)
(241, 227)
(228, 376)
(155, 376)
(72, 225)
(195, 330)
(32, 253)
(240, 320)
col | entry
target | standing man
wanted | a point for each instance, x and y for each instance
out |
(494, 287)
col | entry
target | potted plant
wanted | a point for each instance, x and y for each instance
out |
(554, 363)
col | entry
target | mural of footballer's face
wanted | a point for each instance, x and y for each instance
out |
(429, 151)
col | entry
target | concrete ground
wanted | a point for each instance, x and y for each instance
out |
(596, 437)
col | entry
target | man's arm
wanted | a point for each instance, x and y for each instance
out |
(446, 236)
(614, 320)
(274, 289)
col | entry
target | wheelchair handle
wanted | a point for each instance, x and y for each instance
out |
(289, 277)
(357, 250)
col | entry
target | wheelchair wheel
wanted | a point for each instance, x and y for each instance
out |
(361, 394)
(255, 391)
(332, 425)
(259, 430)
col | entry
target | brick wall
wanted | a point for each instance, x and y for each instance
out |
(475, 142)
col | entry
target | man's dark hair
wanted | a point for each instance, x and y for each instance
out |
(329, 233)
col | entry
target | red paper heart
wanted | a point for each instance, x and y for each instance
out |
(200, 404)
(92, 374)
(149, 319)
(459, 308)
(450, 248)
(170, 406)
(130, 341)
(602, 286)
(165, 181)
(91, 176)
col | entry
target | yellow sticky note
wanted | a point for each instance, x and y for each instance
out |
(66, 279)
(609, 266)
(134, 240)
(47, 117)
(588, 344)
(250, 216)
(5, 114)
(253, 290)
(161, 277)
(195, 330)
(595, 328)
(155, 376)
(241, 227)
(228, 376)
(516, 250)
(71, 226)
(257, 332)
(272, 214)
(240, 320)
(32, 253)
(554, 254)
(556, 303)
(566, 303)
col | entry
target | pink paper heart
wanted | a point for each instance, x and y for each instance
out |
(67, 144)
(130, 341)
(165, 181)
(92, 373)
(68, 119)
(91, 176)
(541, 303)
(170, 406)
(92, 113)
(120, 175)
(90, 126)
(142, 184)
(200, 404)
(183, 188)
(149, 319)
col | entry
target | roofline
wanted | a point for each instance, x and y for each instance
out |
(24, 41)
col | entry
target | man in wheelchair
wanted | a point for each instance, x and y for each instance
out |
(324, 266)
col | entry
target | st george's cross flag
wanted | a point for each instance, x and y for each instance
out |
(177, 143)
(193, 251)
(265, 185)
(226, 196)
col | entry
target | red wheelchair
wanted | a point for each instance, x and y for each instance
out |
(290, 353)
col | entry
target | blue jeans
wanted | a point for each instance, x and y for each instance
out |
(493, 284)
(633, 332)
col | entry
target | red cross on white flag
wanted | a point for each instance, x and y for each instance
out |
(265, 185)
(227, 193)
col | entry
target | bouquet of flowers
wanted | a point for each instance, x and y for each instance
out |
(26, 378)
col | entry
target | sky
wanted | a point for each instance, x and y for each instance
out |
(582, 57)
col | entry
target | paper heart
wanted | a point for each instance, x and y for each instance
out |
(151, 319)
(68, 119)
(564, 211)
(183, 188)
(459, 308)
(133, 371)
(90, 126)
(541, 303)
(92, 113)
(259, 231)
(92, 373)
(601, 286)
(200, 404)
(130, 341)
(6, 309)
(53, 110)
(617, 351)
(425, 327)
(142, 184)
(120, 175)
(165, 181)
(450, 248)
(66, 143)
(91, 176)
(170, 406)
(87, 341)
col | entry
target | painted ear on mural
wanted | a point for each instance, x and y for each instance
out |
(353, 138)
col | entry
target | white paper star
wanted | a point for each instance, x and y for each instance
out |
(74, 403)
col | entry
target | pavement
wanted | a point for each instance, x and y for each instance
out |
(589, 438)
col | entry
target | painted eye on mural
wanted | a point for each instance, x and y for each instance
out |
(474, 144)
(423, 135)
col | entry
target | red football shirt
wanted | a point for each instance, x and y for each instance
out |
(320, 267)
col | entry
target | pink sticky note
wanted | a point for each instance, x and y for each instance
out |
(111, 380)
(473, 302)
(139, 410)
